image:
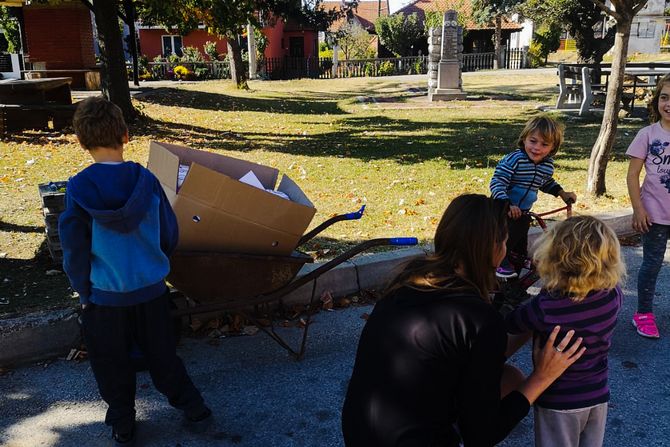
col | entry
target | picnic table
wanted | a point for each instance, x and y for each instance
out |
(32, 103)
(578, 88)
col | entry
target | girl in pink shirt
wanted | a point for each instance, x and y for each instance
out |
(651, 202)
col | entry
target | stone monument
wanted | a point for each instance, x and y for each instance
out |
(445, 48)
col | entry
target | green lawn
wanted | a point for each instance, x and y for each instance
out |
(345, 142)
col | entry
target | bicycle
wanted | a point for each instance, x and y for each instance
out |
(514, 291)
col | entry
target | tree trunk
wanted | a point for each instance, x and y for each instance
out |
(497, 42)
(129, 8)
(595, 183)
(237, 72)
(251, 41)
(114, 79)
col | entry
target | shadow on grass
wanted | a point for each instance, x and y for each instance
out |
(463, 143)
(304, 104)
(10, 228)
(26, 286)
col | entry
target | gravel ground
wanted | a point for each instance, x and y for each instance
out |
(262, 397)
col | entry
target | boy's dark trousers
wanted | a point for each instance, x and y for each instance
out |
(110, 332)
(517, 237)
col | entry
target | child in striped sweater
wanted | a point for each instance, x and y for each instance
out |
(518, 177)
(580, 265)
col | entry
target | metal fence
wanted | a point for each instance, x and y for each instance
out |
(322, 68)
(292, 68)
(513, 58)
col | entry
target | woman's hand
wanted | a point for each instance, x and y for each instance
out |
(514, 212)
(550, 362)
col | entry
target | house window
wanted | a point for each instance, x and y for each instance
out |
(646, 30)
(171, 45)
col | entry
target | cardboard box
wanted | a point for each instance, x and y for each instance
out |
(216, 212)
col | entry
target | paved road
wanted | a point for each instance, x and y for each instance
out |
(263, 398)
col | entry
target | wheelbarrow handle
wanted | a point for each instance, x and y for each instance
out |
(348, 216)
(403, 241)
(356, 214)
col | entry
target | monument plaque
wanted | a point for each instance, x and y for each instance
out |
(446, 85)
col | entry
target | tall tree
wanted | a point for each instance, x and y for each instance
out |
(487, 11)
(581, 18)
(354, 40)
(399, 33)
(623, 13)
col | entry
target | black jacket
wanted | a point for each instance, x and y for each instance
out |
(428, 367)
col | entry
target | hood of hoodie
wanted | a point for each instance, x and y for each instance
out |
(117, 196)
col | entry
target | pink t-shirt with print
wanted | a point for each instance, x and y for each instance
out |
(652, 144)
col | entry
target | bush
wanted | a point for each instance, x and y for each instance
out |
(385, 68)
(181, 73)
(416, 67)
(326, 53)
(369, 69)
(192, 55)
(201, 73)
(535, 56)
(210, 50)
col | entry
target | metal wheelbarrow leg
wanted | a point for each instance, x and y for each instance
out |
(277, 295)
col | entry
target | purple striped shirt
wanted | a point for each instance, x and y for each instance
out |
(584, 383)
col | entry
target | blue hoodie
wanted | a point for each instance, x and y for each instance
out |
(117, 233)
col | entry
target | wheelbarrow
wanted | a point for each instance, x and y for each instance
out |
(234, 282)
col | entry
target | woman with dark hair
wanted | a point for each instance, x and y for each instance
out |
(430, 368)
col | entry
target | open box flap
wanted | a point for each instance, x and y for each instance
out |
(232, 167)
(165, 165)
(288, 187)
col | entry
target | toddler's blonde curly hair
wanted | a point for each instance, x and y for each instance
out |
(579, 255)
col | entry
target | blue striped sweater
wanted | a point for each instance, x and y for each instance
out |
(517, 179)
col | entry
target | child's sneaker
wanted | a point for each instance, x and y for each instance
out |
(646, 325)
(124, 438)
(505, 272)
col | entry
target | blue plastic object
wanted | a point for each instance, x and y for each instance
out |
(356, 214)
(403, 241)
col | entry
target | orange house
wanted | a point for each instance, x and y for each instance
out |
(285, 38)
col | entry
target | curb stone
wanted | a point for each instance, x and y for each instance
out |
(47, 334)
(37, 336)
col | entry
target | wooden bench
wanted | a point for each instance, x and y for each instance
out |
(31, 104)
(575, 88)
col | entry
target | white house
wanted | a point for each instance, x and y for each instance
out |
(648, 28)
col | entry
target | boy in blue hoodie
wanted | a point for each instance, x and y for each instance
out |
(117, 233)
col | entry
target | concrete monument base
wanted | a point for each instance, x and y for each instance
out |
(446, 94)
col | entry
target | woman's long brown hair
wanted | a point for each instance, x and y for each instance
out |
(470, 229)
